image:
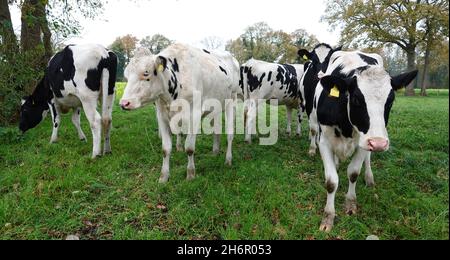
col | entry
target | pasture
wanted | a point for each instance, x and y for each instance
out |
(51, 191)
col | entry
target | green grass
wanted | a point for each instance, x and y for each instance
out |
(51, 191)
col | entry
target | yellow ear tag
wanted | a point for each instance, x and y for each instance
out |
(305, 57)
(335, 92)
(160, 68)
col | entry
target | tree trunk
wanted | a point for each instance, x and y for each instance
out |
(426, 70)
(411, 54)
(30, 36)
(6, 28)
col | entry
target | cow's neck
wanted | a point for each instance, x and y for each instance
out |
(42, 94)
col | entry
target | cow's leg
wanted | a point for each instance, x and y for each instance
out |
(95, 121)
(289, 120)
(353, 172)
(76, 120)
(166, 138)
(301, 111)
(107, 122)
(180, 147)
(251, 120)
(56, 117)
(370, 181)
(190, 150)
(216, 145)
(230, 112)
(332, 182)
(313, 133)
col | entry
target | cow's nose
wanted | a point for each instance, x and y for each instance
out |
(378, 144)
(125, 104)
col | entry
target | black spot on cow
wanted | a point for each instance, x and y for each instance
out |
(367, 59)
(287, 76)
(241, 79)
(269, 78)
(206, 51)
(175, 66)
(173, 84)
(388, 106)
(337, 133)
(358, 110)
(253, 81)
(223, 70)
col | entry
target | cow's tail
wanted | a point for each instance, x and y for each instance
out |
(109, 75)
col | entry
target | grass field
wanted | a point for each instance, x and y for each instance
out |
(51, 191)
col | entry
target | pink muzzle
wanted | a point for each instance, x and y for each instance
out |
(378, 144)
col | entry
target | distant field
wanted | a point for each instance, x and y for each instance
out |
(51, 191)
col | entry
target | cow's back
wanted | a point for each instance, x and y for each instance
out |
(200, 70)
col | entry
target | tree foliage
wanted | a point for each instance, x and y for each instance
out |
(155, 43)
(261, 42)
(405, 23)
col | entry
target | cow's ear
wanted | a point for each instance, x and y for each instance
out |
(161, 64)
(403, 80)
(304, 54)
(335, 86)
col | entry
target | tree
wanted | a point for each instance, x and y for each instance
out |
(124, 47)
(156, 43)
(365, 22)
(261, 42)
(212, 43)
(436, 29)
(8, 37)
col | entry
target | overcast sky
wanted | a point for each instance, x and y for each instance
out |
(190, 21)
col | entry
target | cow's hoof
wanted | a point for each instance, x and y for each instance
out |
(106, 153)
(370, 183)
(327, 223)
(312, 152)
(95, 157)
(229, 163)
(289, 134)
(163, 179)
(216, 152)
(351, 207)
(190, 177)
(54, 141)
(83, 139)
(180, 149)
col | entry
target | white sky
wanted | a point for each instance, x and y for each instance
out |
(190, 21)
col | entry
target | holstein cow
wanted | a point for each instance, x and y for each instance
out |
(267, 81)
(176, 75)
(315, 69)
(352, 105)
(77, 77)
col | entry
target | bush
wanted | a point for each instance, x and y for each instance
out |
(18, 77)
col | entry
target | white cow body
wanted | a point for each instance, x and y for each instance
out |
(193, 72)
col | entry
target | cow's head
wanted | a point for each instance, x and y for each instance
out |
(370, 96)
(34, 108)
(144, 80)
(319, 57)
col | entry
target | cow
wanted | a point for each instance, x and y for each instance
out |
(76, 78)
(352, 105)
(318, 61)
(269, 81)
(177, 75)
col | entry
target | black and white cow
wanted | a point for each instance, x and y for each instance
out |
(77, 77)
(315, 68)
(352, 105)
(269, 81)
(179, 75)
